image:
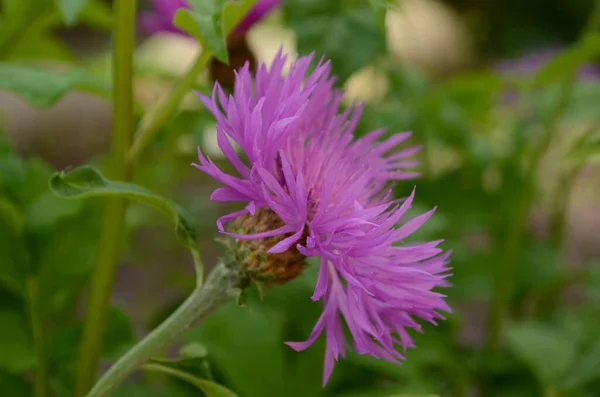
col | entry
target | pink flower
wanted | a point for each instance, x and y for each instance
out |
(330, 194)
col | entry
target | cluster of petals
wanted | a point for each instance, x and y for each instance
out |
(300, 159)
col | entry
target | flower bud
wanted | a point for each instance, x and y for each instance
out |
(252, 255)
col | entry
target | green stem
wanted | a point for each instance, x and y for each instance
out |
(156, 118)
(113, 224)
(223, 284)
(507, 272)
(559, 213)
(33, 298)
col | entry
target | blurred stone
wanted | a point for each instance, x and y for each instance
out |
(167, 53)
(266, 39)
(366, 85)
(75, 129)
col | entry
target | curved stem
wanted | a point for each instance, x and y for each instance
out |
(224, 283)
(154, 119)
(33, 300)
(113, 224)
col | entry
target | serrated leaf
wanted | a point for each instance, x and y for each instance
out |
(86, 182)
(546, 351)
(209, 388)
(70, 9)
(42, 87)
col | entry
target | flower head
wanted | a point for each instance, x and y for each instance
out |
(311, 189)
(161, 18)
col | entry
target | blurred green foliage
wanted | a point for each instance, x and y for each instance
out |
(478, 130)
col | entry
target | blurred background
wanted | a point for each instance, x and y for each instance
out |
(481, 83)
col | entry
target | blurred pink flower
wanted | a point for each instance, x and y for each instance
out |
(160, 19)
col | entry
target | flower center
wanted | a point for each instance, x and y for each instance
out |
(252, 254)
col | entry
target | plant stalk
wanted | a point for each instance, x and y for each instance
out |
(507, 272)
(224, 283)
(113, 222)
(157, 117)
(33, 298)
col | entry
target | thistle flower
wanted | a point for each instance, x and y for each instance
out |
(311, 189)
(161, 19)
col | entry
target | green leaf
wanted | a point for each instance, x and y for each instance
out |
(37, 46)
(205, 22)
(15, 343)
(65, 257)
(414, 395)
(70, 10)
(540, 268)
(329, 28)
(11, 216)
(256, 332)
(234, 12)
(193, 361)
(97, 14)
(42, 87)
(86, 182)
(379, 8)
(373, 392)
(48, 209)
(14, 260)
(569, 61)
(207, 27)
(586, 367)
(149, 390)
(211, 21)
(586, 149)
(545, 349)
(61, 351)
(14, 385)
(209, 388)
